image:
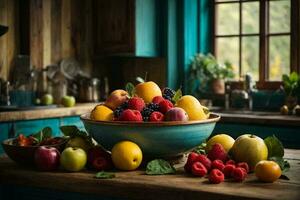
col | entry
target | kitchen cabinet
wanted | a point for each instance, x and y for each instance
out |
(114, 26)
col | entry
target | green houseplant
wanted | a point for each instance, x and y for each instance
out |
(206, 74)
(291, 87)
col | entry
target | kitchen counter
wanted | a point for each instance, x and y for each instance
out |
(137, 185)
(78, 109)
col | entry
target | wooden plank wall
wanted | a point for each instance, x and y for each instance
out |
(9, 43)
(58, 29)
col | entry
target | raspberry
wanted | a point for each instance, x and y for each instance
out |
(228, 170)
(157, 99)
(156, 117)
(131, 115)
(190, 161)
(198, 169)
(243, 165)
(232, 162)
(238, 174)
(217, 164)
(165, 105)
(136, 103)
(217, 152)
(216, 176)
(205, 161)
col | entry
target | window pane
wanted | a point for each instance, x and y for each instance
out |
(279, 57)
(280, 15)
(250, 51)
(227, 18)
(228, 50)
(250, 16)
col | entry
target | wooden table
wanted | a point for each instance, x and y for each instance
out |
(137, 185)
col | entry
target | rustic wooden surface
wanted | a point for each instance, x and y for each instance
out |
(137, 185)
(79, 109)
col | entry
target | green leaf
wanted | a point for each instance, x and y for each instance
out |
(104, 175)
(200, 149)
(177, 95)
(43, 134)
(293, 77)
(159, 167)
(275, 147)
(71, 131)
(284, 164)
(130, 89)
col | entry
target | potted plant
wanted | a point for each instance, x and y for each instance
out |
(291, 87)
(207, 74)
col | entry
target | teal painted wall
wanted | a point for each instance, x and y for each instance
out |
(175, 30)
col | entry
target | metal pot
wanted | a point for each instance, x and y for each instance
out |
(89, 90)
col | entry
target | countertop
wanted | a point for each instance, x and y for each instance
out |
(78, 109)
(137, 185)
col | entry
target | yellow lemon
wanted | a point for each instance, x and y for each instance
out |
(147, 91)
(193, 108)
(126, 155)
(102, 113)
(225, 140)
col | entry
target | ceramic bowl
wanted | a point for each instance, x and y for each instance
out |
(24, 155)
(157, 140)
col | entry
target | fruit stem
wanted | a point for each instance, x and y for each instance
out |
(146, 76)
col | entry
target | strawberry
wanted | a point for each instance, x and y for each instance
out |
(165, 105)
(157, 99)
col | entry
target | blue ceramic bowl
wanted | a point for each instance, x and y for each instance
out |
(157, 140)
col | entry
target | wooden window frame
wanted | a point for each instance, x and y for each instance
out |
(263, 82)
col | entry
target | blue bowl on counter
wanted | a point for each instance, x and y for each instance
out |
(157, 140)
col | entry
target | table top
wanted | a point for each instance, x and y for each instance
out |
(137, 185)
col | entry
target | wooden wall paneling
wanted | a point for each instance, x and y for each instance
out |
(115, 26)
(67, 48)
(9, 43)
(47, 33)
(3, 40)
(55, 29)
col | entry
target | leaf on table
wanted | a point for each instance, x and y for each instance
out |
(104, 175)
(159, 167)
(284, 177)
(275, 147)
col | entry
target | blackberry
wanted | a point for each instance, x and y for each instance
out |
(118, 112)
(168, 93)
(124, 105)
(153, 106)
(146, 119)
(146, 112)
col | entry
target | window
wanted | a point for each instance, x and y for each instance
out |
(255, 36)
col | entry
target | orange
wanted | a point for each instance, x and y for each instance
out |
(147, 91)
(267, 171)
(192, 107)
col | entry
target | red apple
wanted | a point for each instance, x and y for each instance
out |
(46, 158)
(99, 159)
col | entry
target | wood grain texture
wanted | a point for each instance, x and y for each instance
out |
(77, 110)
(137, 185)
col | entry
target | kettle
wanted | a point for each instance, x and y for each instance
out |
(89, 90)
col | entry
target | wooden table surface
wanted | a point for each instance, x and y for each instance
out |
(137, 185)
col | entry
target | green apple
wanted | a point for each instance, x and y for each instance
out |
(47, 99)
(249, 148)
(73, 159)
(68, 101)
(79, 142)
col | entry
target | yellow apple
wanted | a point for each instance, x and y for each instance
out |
(147, 91)
(249, 148)
(225, 140)
(116, 98)
(73, 159)
(192, 107)
(126, 155)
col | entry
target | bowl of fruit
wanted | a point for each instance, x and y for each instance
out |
(164, 123)
(22, 148)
